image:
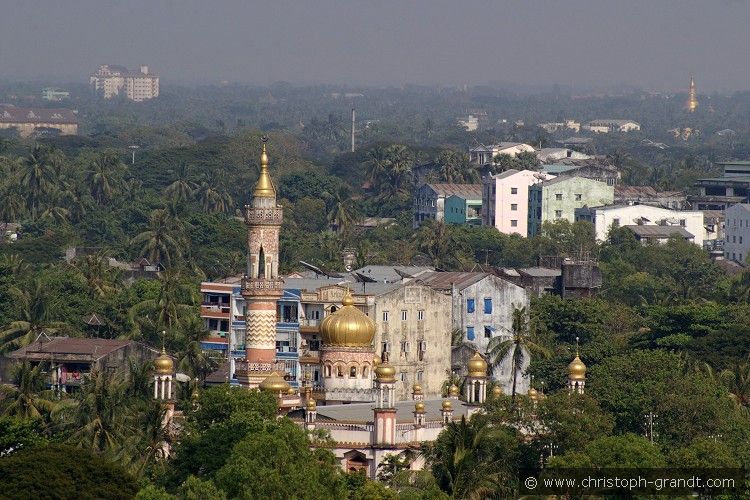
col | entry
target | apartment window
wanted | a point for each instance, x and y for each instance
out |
(579, 197)
(470, 332)
(353, 372)
(385, 315)
(385, 347)
(558, 214)
(683, 222)
(734, 239)
(422, 345)
(403, 315)
(616, 222)
(513, 223)
(488, 306)
(513, 190)
(403, 377)
(405, 347)
(487, 332)
(740, 244)
(558, 196)
(514, 206)
(470, 305)
(420, 315)
(420, 376)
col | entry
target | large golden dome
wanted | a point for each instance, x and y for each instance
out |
(347, 327)
(164, 364)
(477, 366)
(274, 383)
(576, 369)
(453, 390)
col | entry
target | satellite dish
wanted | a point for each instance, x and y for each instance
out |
(348, 268)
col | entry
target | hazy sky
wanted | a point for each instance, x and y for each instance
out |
(654, 44)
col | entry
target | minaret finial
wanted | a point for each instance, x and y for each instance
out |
(163, 341)
(577, 355)
(264, 187)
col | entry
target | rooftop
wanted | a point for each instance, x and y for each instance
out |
(85, 349)
(654, 231)
(362, 412)
(447, 280)
(464, 190)
(9, 114)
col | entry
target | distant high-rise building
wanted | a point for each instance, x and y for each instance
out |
(110, 80)
(692, 102)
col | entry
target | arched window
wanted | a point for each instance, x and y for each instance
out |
(333, 309)
(339, 371)
(477, 391)
(328, 371)
(365, 371)
(353, 372)
(261, 264)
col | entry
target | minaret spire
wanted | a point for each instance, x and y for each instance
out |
(692, 102)
(262, 286)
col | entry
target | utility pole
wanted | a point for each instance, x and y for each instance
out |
(354, 112)
(650, 420)
(133, 148)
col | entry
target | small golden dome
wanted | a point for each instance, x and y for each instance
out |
(416, 389)
(164, 364)
(576, 369)
(497, 391)
(533, 394)
(376, 361)
(347, 327)
(419, 407)
(477, 366)
(453, 390)
(447, 405)
(311, 406)
(195, 395)
(264, 187)
(385, 373)
(274, 383)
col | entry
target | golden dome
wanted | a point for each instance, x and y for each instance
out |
(477, 366)
(453, 390)
(274, 383)
(264, 187)
(447, 405)
(497, 391)
(195, 395)
(419, 407)
(376, 361)
(311, 406)
(416, 389)
(164, 364)
(533, 394)
(576, 369)
(347, 327)
(385, 373)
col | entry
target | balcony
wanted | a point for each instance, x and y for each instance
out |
(309, 325)
(215, 311)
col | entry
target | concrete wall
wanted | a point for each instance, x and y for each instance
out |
(737, 227)
(434, 329)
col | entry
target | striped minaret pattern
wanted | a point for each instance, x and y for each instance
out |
(261, 286)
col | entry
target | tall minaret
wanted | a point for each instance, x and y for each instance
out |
(692, 102)
(261, 286)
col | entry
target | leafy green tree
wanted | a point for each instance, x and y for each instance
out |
(104, 176)
(37, 178)
(17, 433)
(626, 451)
(181, 189)
(160, 243)
(342, 213)
(277, 463)
(571, 421)
(59, 471)
(455, 167)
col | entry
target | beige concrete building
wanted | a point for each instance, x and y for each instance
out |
(110, 80)
(34, 120)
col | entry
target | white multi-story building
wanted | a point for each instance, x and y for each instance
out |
(603, 218)
(607, 125)
(484, 155)
(110, 80)
(737, 229)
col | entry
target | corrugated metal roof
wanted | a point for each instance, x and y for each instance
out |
(95, 348)
(654, 231)
(463, 190)
(446, 280)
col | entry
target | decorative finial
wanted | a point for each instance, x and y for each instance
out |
(264, 187)
(163, 340)
(577, 355)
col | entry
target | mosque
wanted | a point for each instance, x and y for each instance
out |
(358, 407)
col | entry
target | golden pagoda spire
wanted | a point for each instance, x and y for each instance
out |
(264, 187)
(692, 102)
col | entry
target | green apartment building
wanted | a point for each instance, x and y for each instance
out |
(463, 210)
(558, 199)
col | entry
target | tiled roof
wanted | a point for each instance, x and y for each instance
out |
(10, 114)
(464, 190)
(85, 347)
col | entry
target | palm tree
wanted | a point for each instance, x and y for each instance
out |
(376, 163)
(11, 208)
(397, 176)
(181, 189)
(455, 167)
(160, 243)
(147, 445)
(211, 199)
(103, 177)
(37, 178)
(436, 241)
(100, 419)
(193, 359)
(169, 306)
(36, 309)
(27, 397)
(521, 345)
(342, 214)
(737, 382)
(101, 279)
(14, 264)
(469, 460)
